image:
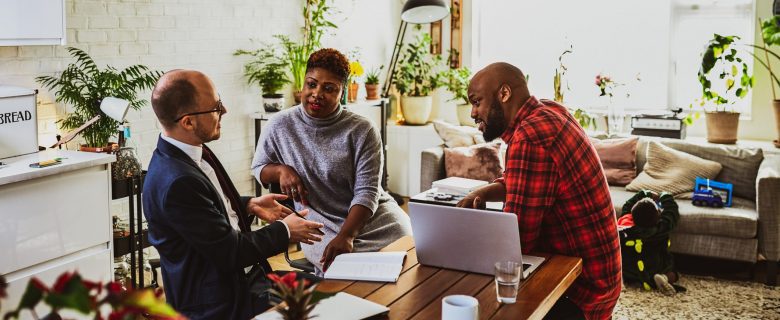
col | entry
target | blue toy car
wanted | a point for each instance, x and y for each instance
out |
(706, 197)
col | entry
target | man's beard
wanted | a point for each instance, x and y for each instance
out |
(496, 122)
(207, 135)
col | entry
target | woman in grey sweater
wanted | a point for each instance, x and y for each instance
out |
(329, 161)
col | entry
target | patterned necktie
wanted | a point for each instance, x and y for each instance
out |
(228, 189)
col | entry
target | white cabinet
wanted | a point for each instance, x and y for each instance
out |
(55, 219)
(32, 22)
(404, 148)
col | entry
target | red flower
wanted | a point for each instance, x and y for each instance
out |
(39, 285)
(114, 288)
(289, 280)
(62, 281)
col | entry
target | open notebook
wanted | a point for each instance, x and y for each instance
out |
(339, 307)
(367, 266)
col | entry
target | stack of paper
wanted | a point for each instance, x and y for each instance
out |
(457, 185)
(367, 266)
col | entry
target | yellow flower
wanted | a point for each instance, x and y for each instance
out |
(355, 69)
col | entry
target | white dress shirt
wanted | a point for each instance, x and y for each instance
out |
(196, 154)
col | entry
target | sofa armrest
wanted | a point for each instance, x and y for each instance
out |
(432, 167)
(768, 206)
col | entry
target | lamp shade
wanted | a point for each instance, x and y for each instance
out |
(115, 108)
(424, 11)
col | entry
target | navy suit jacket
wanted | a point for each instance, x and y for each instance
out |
(202, 256)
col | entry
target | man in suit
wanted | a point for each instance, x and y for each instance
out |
(197, 221)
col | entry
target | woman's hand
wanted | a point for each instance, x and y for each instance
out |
(267, 208)
(340, 244)
(474, 200)
(291, 184)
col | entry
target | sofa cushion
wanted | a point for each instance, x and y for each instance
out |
(458, 136)
(672, 171)
(478, 162)
(738, 221)
(618, 158)
(740, 165)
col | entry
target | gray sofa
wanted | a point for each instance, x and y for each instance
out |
(751, 227)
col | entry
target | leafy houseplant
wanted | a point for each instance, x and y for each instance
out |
(372, 83)
(457, 82)
(297, 53)
(71, 292)
(266, 70)
(724, 61)
(83, 85)
(770, 36)
(585, 119)
(415, 78)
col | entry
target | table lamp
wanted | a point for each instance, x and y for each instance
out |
(114, 108)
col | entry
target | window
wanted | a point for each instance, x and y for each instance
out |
(694, 22)
(659, 42)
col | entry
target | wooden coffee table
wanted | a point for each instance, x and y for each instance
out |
(419, 290)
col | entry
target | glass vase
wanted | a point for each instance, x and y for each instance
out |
(617, 116)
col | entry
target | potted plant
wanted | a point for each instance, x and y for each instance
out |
(415, 78)
(372, 83)
(355, 71)
(735, 83)
(266, 70)
(315, 24)
(83, 85)
(585, 119)
(457, 82)
(770, 36)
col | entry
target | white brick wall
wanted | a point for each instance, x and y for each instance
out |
(193, 34)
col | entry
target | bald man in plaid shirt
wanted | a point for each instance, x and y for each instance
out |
(554, 183)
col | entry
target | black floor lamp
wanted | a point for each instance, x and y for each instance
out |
(414, 11)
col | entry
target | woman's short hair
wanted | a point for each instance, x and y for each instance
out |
(331, 60)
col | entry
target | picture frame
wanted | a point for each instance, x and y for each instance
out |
(725, 190)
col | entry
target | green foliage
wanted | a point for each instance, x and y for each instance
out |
(372, 76)
(457, 82)
(558, 78)
(585, 119)
(297, 54)
(415, 75)
(71, 292)
(83, 85)
(729, 68)
(770, 35)
(265, 69)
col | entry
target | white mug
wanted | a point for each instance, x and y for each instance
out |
(459, 307)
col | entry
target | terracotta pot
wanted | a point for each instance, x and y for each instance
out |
(416, 110)
(722, 127)
(353, 92)
(297, 96)
(776, 104)
(372, 91)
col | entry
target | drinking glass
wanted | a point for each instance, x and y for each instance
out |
(617, 116)
(508, 275)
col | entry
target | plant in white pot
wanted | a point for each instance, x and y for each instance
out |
(457, 82)
(723, 64)
(267, 70)
(415, 78)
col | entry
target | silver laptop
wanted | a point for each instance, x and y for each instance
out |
(467, 239)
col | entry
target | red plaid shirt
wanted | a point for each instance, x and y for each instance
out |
(556, 186)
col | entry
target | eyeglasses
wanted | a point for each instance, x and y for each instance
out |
(219, 108)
